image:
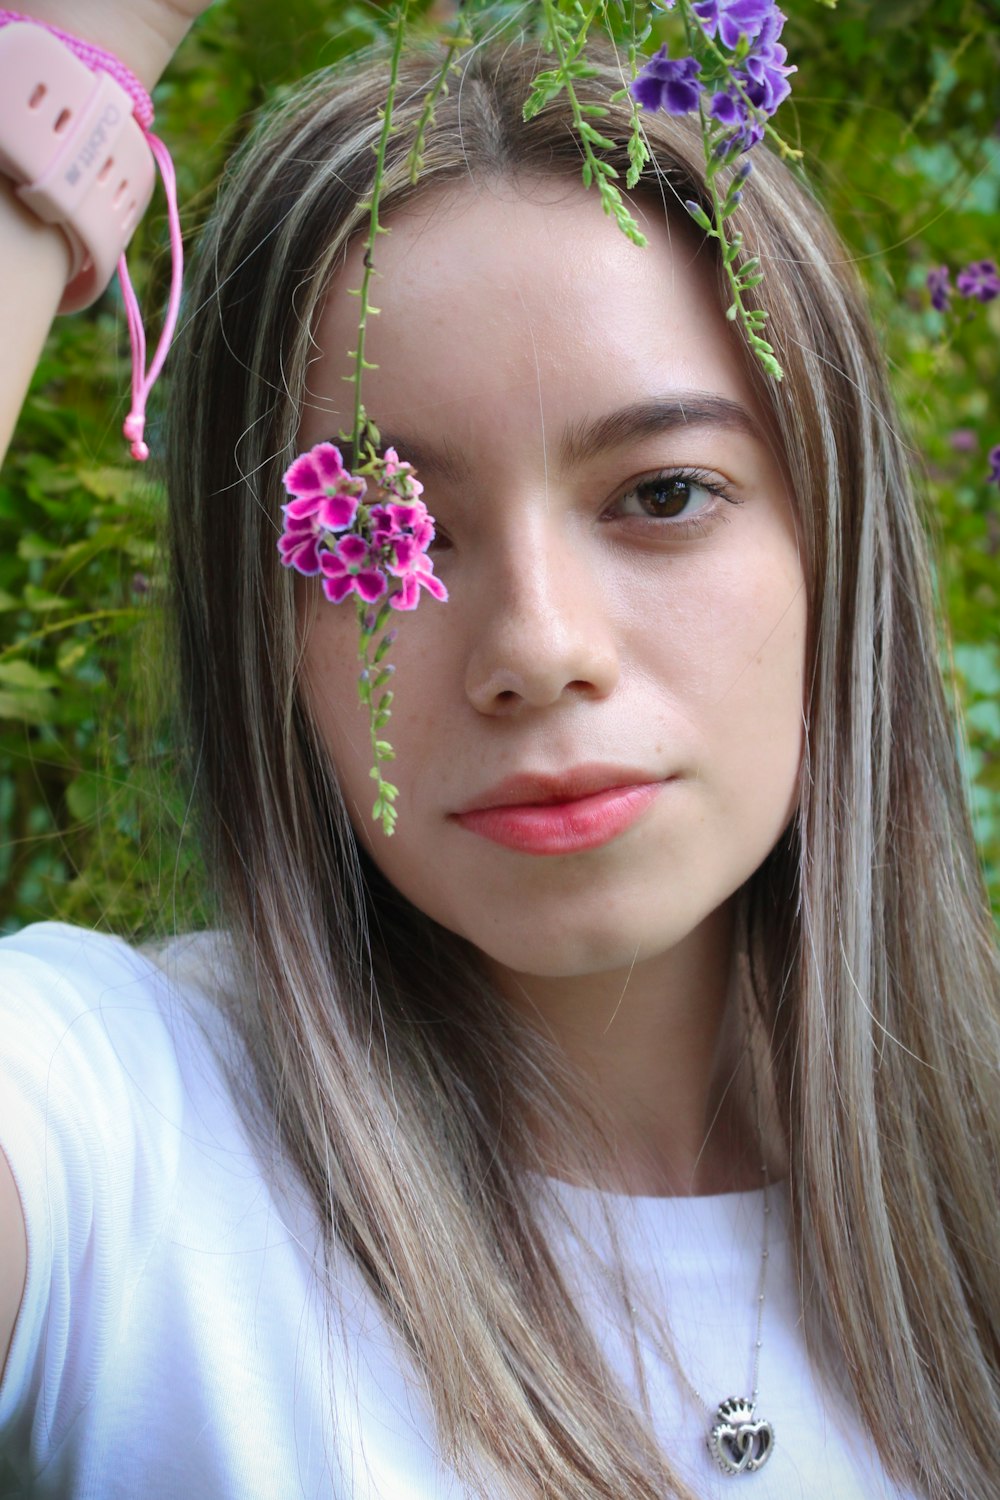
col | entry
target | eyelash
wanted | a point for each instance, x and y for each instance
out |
(703, 478)
(700, 478)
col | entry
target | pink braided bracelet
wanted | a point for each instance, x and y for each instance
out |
(100, 62)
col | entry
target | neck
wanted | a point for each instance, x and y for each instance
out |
(659, 1048)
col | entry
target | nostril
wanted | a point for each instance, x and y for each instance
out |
(62, 121)
(37, 96)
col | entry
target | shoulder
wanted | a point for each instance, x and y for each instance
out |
(63, 960)
(103, 1044)
(59, 978)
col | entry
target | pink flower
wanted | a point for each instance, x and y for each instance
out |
(398, 477)
(325, 497)
(322, 489)
(352, 566)
(395, 520)
(297, 546)
(403, 533)
(389, 542)
(419, 574)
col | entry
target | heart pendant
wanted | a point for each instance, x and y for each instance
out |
(739, 1443)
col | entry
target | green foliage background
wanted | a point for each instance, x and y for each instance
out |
(896, 105)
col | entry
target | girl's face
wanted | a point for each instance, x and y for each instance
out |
(624, 638)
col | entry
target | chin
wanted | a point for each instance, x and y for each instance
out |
(574, 945)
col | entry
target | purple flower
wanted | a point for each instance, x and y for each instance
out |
(938, 284)
(993, 477)
(728, 109)
(731, 109)
(732, 19)
(668, 84)
(979, 280)
(352, 567)
(765, 71)
(963, 440)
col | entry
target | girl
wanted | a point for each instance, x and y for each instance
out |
(625, 1125)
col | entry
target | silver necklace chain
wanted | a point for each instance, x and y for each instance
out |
(739, 1440)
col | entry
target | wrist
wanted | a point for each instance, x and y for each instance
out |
(76, 141)
(144, 35)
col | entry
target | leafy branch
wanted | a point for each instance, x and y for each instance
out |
(458, 39)
(567, 44)
(365, 438)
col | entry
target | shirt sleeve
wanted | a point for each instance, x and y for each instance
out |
(88, 1100)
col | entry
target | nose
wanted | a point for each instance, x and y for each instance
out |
(542, 628)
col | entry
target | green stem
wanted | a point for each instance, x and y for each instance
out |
(37, 635)
(374, 226)
(457, 41)
(610, 196)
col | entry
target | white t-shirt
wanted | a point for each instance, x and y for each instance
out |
(172, 1342)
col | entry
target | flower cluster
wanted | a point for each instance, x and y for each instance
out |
(979, 281)
(374, 552)
(993, 458)
(367, 550)
(746, 87)
(736, 77)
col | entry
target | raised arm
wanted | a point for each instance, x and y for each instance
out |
(34, 256)
(144, 34)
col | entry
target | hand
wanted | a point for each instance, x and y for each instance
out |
(144, 34)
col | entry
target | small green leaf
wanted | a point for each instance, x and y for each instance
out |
(21, 674)
(83, 797)
(40, 601)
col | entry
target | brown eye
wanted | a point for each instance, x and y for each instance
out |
(667, 497)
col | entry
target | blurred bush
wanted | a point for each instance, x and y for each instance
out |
(896, 107)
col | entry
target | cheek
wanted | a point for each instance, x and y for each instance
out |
(754, 696)
(329, 685)
(729, 661)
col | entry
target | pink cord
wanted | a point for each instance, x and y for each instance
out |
(143, 380)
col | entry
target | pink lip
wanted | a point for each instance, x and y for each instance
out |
(568, 814)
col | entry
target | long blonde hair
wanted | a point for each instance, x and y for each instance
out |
(401, 1090)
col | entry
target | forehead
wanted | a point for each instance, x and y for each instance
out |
(505, 307)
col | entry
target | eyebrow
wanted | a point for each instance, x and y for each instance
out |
(585, 440)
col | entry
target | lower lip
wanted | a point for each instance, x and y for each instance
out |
(563, 827)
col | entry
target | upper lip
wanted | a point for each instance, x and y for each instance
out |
(564, 786)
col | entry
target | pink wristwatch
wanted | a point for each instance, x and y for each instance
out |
(69, 140)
